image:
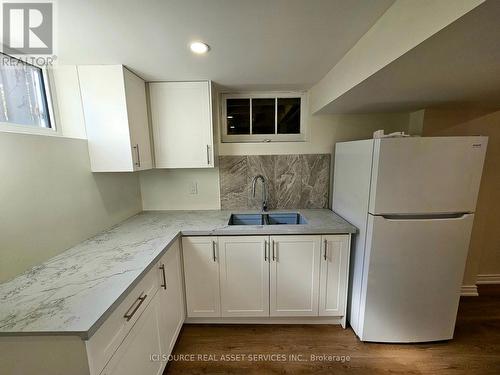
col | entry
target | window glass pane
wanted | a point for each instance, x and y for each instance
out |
(238, 116)
(22, 94)
(288, 115)
(263, 118)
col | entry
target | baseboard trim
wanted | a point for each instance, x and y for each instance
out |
(469, 291)
(492, 278)
(267, 320)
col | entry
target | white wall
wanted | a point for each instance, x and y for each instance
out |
(50, 201)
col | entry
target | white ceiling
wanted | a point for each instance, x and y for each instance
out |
(461, 63)
(255, 44)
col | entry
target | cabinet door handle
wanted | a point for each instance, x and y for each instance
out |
(213, 251)
(326, 248)
(128, 315)
(164, 285)
(138, 162)
(265, 250)
(274, 254)
(208, 154)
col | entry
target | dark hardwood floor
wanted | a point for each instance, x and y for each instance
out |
(474, 350)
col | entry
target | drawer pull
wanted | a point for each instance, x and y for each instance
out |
(128, 316)
(164, 285)
(326, 249)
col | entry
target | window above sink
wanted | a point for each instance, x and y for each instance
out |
(263, 117)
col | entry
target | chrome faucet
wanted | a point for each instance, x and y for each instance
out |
(264, 190)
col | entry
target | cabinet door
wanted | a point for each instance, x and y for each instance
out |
(134, 354)
(106, 121)
(295, 275)
(333, 275)
(135, 92)
(115, 109)
(201, 272)
(244, 276)
(181, 117)
(171, 297)
(106, 340)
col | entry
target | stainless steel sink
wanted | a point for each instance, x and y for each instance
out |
(246, 219)
(278, 218)
(287, 218)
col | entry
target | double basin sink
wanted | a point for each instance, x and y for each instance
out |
(286, 218)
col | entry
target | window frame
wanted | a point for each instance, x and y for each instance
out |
(54, 130)
(257, 138)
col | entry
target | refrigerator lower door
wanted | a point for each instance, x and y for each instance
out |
(413, 275)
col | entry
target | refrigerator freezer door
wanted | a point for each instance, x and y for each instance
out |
(413, 280)
(426, 175)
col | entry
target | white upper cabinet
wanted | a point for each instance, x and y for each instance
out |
(181, 117)
(116, 118)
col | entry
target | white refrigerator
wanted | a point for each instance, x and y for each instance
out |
(413, 201)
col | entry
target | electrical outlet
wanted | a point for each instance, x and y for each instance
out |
(193, 188)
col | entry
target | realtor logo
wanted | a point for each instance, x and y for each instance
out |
(27, 28)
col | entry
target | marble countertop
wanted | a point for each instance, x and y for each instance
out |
(73, 292)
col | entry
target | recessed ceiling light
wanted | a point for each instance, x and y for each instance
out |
(199, 47)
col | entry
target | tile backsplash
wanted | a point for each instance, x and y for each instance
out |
(294, 181)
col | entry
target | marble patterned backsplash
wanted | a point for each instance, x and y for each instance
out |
(294, 181)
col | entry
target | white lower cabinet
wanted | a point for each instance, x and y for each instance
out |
(110, 335)
(244, 276)
(134, 354)
(333, 275)
(252, 279)
(201, 273)
(140, 334)
(262, 276)
(171, 298)
(294, 275)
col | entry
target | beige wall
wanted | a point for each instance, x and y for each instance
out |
(169, 189)
(324, 132)
(484, 250)
(50, 201)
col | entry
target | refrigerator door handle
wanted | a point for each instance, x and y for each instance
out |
(455, 215)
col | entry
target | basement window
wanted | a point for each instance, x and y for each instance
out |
(24, 100)
(263, 117)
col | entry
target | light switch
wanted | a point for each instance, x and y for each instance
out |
(193, 188)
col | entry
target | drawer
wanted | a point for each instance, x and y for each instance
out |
(113, 331)
(133, 355)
